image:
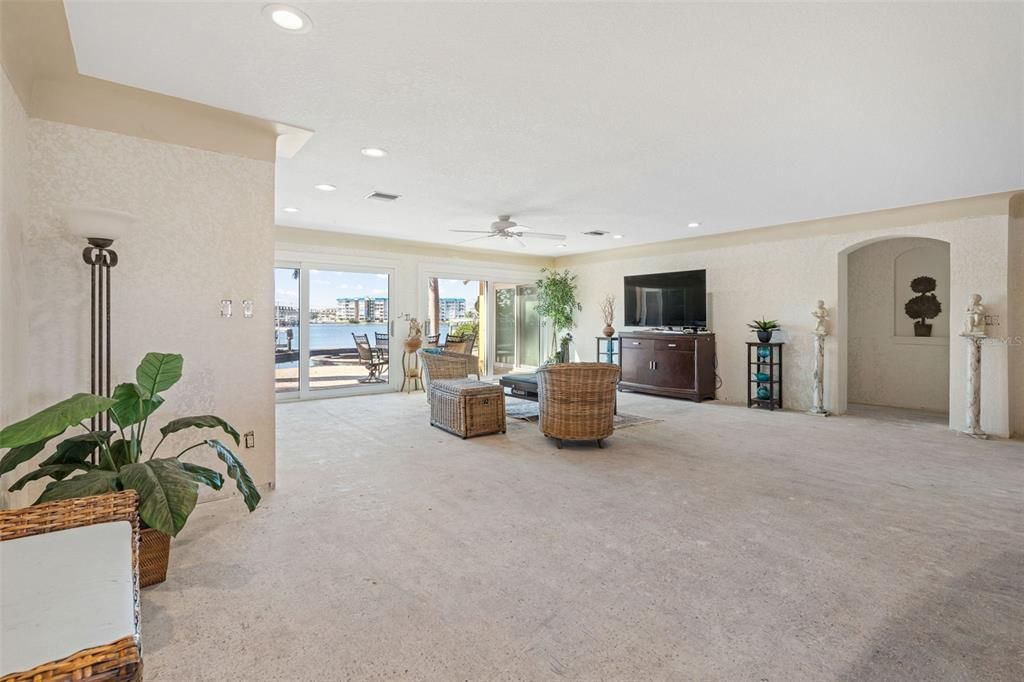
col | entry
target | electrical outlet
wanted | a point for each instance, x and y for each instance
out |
(992, 320)
(250, 439)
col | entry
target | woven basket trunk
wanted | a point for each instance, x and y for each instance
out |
(154, 552)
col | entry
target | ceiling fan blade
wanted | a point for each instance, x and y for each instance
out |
(487, 232)
(473, 239)
(520, 241)
(544, 235)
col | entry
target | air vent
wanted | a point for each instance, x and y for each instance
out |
(382, 196)
(596, 233)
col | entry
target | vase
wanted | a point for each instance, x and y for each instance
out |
(413, 344)
(763, 392)
(608, 331)
(764, 352)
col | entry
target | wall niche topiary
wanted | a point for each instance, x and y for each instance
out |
(923, 307)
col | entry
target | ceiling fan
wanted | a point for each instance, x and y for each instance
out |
(506, 228)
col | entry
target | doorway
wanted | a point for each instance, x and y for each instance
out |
(332, 330)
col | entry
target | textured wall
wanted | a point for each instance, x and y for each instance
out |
(13, 208)
(205, 232)
(887, 364)
(780, 274)
(1015, 339)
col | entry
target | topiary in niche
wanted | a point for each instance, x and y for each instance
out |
(923, 307)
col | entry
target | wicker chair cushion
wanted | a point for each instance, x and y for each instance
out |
(466, 387)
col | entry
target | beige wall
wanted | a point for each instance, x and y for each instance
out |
(205, 232)
(780, 271)
(887, 364)
(13, 210)
(1016, 321)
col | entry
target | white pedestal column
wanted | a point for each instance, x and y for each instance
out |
(818, 407)
(973, 428)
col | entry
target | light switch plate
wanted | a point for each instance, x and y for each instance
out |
(225, 307)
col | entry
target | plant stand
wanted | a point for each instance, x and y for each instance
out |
(608, 349)
(411, 375)
(764, 359)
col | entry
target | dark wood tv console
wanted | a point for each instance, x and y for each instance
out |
(668, 363)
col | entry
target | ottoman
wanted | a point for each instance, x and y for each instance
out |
(467, 407)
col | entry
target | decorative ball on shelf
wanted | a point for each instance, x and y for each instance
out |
(764, 352)
(763, 392)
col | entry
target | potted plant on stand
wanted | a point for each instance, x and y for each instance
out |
(556, 300)
(923, 307)
(108, 459)
(764, 329)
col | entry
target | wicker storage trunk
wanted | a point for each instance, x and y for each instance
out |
(154, 552)
(466, 407)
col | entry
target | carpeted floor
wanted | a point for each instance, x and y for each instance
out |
(719, 544)
(519, 410)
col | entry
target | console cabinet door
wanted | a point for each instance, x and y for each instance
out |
(675, 369)
(636, 361)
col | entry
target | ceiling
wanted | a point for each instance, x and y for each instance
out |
(632, 118)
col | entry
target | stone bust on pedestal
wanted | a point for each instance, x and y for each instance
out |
(975, 323)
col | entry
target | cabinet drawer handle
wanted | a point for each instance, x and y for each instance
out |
(636, 343)
(671, 345)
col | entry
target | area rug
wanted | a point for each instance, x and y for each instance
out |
(526, 410)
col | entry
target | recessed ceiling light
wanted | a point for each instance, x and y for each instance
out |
(290, 209)
(559, 246)
(374, 152)
(325, 187)
(288, 18)
(693, 225)
(616, 236)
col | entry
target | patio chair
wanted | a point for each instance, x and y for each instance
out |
(460, 343)
(370, 358)
(577, 401)
(382, 344)
(71, 590)
(445, 365)
(431, 341)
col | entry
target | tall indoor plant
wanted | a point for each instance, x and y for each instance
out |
(556, 300)
(97, 461)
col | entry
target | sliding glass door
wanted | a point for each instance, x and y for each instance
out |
(339, 341)
(517, 328)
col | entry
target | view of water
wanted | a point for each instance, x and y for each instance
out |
(335, 336)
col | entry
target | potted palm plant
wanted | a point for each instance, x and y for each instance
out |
(98, 461)
(764, 329)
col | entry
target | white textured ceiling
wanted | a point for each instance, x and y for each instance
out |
(631, 118)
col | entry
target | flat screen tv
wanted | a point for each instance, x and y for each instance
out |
(667, 299)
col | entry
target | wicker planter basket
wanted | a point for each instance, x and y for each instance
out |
(154, 552)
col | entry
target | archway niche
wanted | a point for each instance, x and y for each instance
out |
(887, 358)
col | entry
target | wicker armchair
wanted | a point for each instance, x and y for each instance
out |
(460, 344)
(577, 400)
(120, 660)
(445, 365)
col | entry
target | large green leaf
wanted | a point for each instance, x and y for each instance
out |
(167, 493)
(92, 482)
(158, 372)
(237, 471)
(203, 421)
(56, 471)
(75, 450)
(121, 453)
(132, 406)
(54, 420)
(203, 475)
(24, 453)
